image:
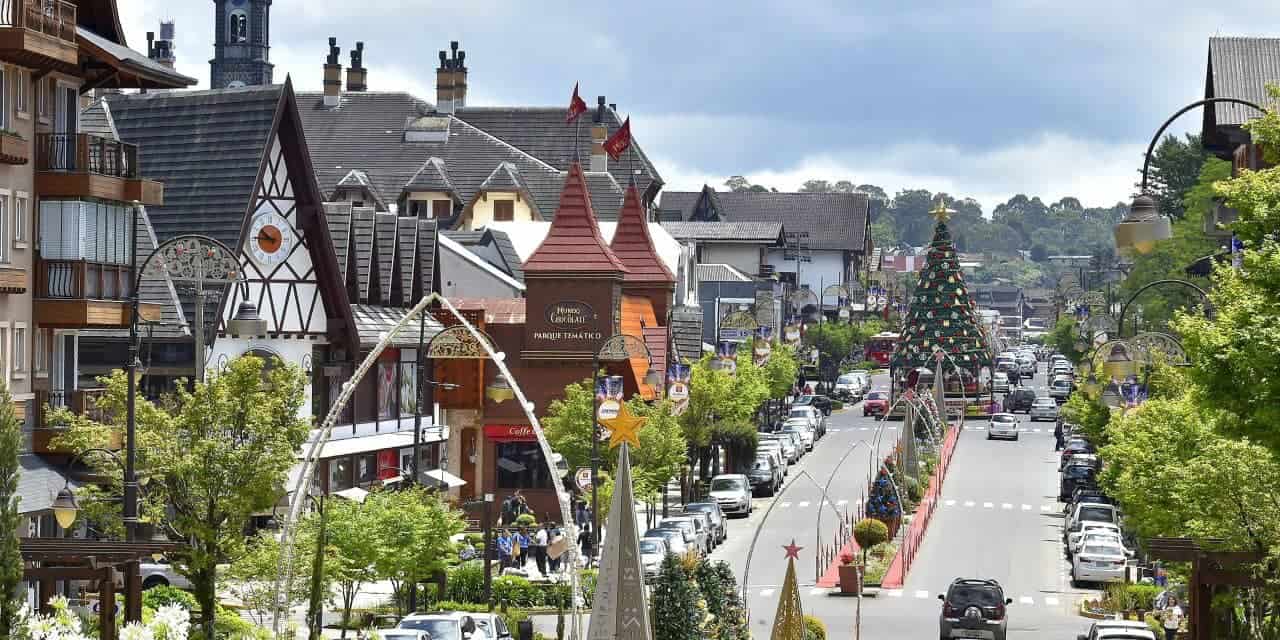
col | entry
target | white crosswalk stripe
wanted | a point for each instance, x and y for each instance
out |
(785, 505)
(1026, 600)
(1046, 508)
(816, 591)
(765, 593)
(1026, 507)
(803, 504)
(922, 594)
(894, 593)
(1005, 505)
(950, 503)
(1050, 601)
(988, 505)
(841, 503)
(864, 428)
(968, 503)
(834, 430)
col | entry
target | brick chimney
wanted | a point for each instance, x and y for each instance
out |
(332, 75)
(451, 80)
(599, 133)
(356, 73)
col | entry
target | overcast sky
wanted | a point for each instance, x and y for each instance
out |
(1041, 97)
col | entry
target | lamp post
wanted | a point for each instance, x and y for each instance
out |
(618, 347)
(1143, 227)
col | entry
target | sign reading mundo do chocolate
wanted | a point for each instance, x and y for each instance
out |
(570, 320)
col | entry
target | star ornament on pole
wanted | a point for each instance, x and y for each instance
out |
(793, 551)
(941, 213)
(624, 427)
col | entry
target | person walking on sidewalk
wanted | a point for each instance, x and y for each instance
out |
(587, 542)
(1058, 435)
(539, 546)
(519, 548)
(1171, 618)
(504, 550)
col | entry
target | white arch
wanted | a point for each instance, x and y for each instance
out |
(302, 486)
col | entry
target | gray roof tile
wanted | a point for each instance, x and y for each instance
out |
(406, 253)
(1242, 68)
(431, 176)
(834, 221)
(362, 238)
(764, 232)
(338, 215)
(385, 229)
(720, 273)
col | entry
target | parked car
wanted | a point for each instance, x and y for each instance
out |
(1044, 409)
(702, 521)
(1098, 563)
(692, 536)
(1090, 527)
(822, 403)
(800, 428)
(974, 608)
(445, 625)
(1075, 446)
(809, 414)
(875, 403)
(789, 450)
(1130, 629)
(1019, 400)
(494, 625)
(1076, 476)
(1002, 425)
(772, 449)
(712, 509)
(673, 537)
(764, 476)
(1000, 382)
(733, 492)
(652, 551)
(161, 574)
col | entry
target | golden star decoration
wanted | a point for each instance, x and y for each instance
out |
(624, 427)
(941, 213)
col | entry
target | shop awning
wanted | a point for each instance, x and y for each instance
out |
(369, 443)
(354, 494)
(445, 478)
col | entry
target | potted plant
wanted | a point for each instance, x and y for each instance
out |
(850, 575)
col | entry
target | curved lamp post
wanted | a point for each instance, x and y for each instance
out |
(1143, 227)
(1124, 309)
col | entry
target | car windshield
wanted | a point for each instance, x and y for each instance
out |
(804, 400)
(1075, 472)
(1101, 550)
(963, 595)
(1003, 418)
(726, 484)
(700, 507)
(650, 546)
(799, 413)
(438, 628)
(1099, 514)
(877, 395)
(846, 379)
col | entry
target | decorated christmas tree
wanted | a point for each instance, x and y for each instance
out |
(941, 315)
(882, 502)
(788, 622)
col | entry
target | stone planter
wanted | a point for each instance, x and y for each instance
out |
(849, 579)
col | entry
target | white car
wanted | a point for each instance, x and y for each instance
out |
(788, 445)
(1027, 365)
(1060, 389)
(451, 624)
(1002, 425)
(733, 492)
(1000, 382)
(1098, 563)
(1044, 408)
(773, 449)
(1087, 512)
(161, 574)
(652, 551)
(802, 429)
(855, 383)
(811, 415)
(1131, 629)
(1091, 528)
(1101, 537)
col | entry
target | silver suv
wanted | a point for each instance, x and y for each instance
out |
(446, 625)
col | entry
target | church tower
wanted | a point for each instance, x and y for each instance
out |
(241, 43)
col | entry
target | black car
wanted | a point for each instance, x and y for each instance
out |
(822, 403)
(1075, 476)
(1019, 400)
(765, 478)
(974, 609)
(1073, 447)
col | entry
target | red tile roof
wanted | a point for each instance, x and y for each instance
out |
(496, 310)
(633, 245)
(573, 244)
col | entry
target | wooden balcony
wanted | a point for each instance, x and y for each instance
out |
(81, 402)
(40, 34)
(80, 165)
(77, 294)
(13, 148)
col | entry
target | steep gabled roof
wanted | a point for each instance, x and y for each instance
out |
(633, 246)
(494, 246)
(747, 232)
(574, 245)
(1240, 68)
(834, 221)
(432, 176)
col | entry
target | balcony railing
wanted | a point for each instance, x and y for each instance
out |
(85, 153)
(82, 280)
(83, 402)
(55, 18)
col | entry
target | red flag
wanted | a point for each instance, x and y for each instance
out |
(620, 140)
(577, 106)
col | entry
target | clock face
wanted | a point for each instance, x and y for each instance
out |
(270, 239)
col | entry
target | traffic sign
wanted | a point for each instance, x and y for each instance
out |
(582, 477)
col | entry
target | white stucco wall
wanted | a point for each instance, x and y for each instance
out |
(826, 268)
(296, 352)
(744, 257)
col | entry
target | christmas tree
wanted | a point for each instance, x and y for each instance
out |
(942, 315)
(788, 623)
(883, 503)
(728, 618)
(676, 614)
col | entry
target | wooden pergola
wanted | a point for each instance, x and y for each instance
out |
(1209, 570)
(48, 560)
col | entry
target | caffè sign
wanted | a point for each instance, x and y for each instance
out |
(569, 314)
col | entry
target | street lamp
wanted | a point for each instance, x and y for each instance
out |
(66, 507)
(1143, 227)
(618, 347)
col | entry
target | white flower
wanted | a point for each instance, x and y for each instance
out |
(135, 631)
(171, 622)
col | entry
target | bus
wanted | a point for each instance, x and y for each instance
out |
(879, 348)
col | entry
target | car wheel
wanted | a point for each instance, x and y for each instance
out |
(1015, 437)
(154, 581)
(989, 436)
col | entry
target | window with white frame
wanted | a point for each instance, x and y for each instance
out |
(21, 200)
(20, 83)
(19, 350)
(42, 98)
(6, 97)
(6, 227)
(40, 353)
(4, 352)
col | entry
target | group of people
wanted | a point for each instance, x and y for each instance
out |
(544, 544)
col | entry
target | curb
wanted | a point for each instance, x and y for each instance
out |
(896, 568)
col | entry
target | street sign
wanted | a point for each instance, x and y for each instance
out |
(735, 335)
(582, 477)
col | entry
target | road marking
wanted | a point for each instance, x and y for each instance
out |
(1026, 507)
(803, 504)
(1046, 508)
(1050, 601)
(988, 505)
(834, 430)
(1037, 430)
(765, 593)
(1005, 505)
(840, 503)
(785, 505)
(950, 503)
(968, 503)
(817, 591)
(922, 594)
(1026, 600)
(894, 593)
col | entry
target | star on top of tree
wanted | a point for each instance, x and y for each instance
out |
(793, 551)
(941, 213)
(624, 427)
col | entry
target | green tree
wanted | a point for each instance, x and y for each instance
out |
(869, 532)
(213, 457)
(815, 186)
(1176, 167)
(1063, 336)
(353, 552)
(10, 556)
(780, 370)
(676, 614)
(663, 449)
(248, 577)
(412, 529)
(567, 424)
(719, 589)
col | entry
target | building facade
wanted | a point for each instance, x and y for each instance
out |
(241, 44)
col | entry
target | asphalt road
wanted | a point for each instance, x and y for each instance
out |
(998, 518)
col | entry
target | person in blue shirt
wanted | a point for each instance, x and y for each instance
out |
(522, 538)
(504, 550)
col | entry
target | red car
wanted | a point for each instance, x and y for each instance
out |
(875, 404)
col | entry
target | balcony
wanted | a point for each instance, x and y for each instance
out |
(80, 165)
(40, 34)
(77, 294)
(13, 147)
(81, 402)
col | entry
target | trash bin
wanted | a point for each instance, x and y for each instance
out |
(524, 630)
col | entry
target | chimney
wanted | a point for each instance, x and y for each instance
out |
(151, 45)
(332, 76)
(161, 49)
(451, 80)
(356, 74)
(599, 133)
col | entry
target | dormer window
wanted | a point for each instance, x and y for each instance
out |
(238, 27)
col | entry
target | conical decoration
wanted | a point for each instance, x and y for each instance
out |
(942, 314)
(574, 244)
(634, 246)
(620, 611)
(788, 622)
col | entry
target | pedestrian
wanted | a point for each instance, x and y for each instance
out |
(540, 547)
(504, 550)
(522, 538)
(556, 549)
(586, 542)
(1057, 435)
(580, 513)
(1171, 618)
